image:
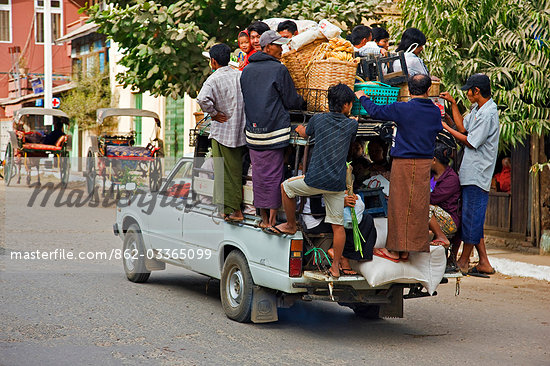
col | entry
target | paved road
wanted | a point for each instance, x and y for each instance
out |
(85, 312)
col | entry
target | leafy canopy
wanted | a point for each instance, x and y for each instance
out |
(91, 93)
(507, 40)
(162, 41)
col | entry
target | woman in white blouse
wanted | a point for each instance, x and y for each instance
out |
(412, 42)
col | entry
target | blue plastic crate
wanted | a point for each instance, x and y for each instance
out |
(380, 93)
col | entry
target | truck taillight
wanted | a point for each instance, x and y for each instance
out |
(295, 261)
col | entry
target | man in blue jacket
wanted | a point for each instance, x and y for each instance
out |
(268, 93)
(418, 123)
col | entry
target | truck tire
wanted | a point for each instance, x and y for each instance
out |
(236, 287)
(133, 255)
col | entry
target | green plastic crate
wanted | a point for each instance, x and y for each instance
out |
(379, 93)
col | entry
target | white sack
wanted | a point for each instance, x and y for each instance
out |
(305, 38)
(329, 29)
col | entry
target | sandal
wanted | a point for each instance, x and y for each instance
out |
(381, 254)
(229, 218)
(272, 230)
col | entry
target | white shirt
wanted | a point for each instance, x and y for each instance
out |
(415, 65)
(478, 164)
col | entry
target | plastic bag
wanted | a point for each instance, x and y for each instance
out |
(359, 209)
(328, 29)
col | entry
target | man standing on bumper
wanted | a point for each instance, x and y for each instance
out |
(221, 97)
(418, 123)
(479, 132)
(268, 92)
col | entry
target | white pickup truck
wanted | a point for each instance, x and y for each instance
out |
(258, 273)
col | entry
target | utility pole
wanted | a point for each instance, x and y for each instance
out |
(47, 60)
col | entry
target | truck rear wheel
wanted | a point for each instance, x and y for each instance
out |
(367, 311)
(133, 255)
(236, 287)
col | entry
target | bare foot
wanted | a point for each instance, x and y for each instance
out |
(464, 267)
(264, 225)
(334, 272)
(235, 216)
(345, 266)
(286, 228)
(404, 256)
(485, 269)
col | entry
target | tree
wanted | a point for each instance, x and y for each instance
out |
(507, 40)
(91, 93)
(162, 41)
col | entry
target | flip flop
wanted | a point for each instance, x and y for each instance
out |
(382, 255)
(274, 230)
(476, 270)
(228, 218)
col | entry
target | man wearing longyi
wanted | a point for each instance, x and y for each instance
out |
(418, 123)
(268, 93)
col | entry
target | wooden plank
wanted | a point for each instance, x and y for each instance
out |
(520, 158)
(497, 216)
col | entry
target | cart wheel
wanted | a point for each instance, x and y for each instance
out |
(155, 174)
(91, 172)
(9, 164)
(64, 168)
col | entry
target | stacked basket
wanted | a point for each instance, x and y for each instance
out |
(323, 74)
(296, 62)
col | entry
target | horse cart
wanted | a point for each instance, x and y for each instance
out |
(31, 141)
(115, 157)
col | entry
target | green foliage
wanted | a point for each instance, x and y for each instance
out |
(91, 93)
(162, 41)
(539, 167)
(507, 40)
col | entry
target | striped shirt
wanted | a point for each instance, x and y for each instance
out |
(221, 93)
(333, 134)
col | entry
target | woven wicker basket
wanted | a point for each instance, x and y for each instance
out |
(325, 73)
(296, 61)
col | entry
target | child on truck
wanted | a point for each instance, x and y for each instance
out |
(326, 173)
(246, 48)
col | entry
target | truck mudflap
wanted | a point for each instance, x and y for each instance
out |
(264, 305)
